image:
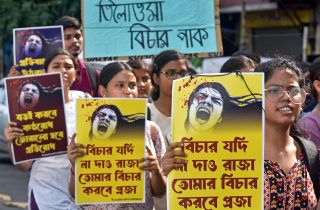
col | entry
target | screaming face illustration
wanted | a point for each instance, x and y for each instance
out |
(205, 109)
(33, 46)
(104, 123)
(29, 96)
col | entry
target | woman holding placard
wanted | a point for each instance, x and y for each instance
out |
(48, 184)
(290, 181)
(118, 81)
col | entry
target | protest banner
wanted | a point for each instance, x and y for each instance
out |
(141, 29)
(222, 134)
(36, 104)
(31, 46)
(113, 132)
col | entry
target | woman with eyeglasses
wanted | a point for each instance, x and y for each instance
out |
(287, 179)
(167, 66)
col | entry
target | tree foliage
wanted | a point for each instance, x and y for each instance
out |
(28, 13)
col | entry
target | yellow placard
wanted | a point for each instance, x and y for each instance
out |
(113, 132)
(219, 119)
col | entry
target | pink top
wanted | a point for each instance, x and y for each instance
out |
(83, 82)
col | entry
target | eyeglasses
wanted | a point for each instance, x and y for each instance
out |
(173, 74)
(296, 94)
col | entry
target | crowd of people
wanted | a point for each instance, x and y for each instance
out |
(291, 180)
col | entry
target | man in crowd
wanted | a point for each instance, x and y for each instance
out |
(87, 77)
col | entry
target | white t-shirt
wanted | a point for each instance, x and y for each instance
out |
(49, 178)
(162, 121)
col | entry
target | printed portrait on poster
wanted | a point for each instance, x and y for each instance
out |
(210, 107)
(32, 92)
(31, 46)
(36, 104)
(107, 122)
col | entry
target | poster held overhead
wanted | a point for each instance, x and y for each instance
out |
(32, 45)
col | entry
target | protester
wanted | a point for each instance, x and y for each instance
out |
(118, 81)
(167, 66)
(238, 63)
(48, 184)
(311, 101)
(287, 176)
(143, 75)
(309, 124)
(87, 77)
(284, 154)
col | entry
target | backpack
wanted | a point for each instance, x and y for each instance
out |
(311, 155)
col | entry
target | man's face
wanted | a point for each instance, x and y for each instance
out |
(29, 96)
(33, 46)
(104, 124)
(206, 109)
(73, 41)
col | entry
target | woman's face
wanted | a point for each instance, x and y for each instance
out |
(122, 85)
(29, 96)
(104, 123)
(171, 68)
(281, 111)
(143, 82)
(65, 65)
(205, 109)
(33, 46)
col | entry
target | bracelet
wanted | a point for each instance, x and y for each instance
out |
(72, 171)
